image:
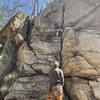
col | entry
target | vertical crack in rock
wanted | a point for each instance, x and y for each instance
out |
(62, 34)
(61, 47)
(92, 94)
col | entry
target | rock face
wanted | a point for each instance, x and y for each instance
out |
(17, 24)
(79, 52)
(81, 58)
(7, 59)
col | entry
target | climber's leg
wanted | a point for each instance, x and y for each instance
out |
(59, 97)
(50, 96)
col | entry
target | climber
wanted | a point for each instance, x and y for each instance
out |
(56, 79)
(59, 33)
(59, 30)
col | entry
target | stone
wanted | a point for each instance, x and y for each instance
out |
(78, 67)
(43, 28)
(95, 88)
(34, 87)
(46, 47)
(19, 39)
(54, 12)
(25, 55)
(79, 53)
(89, 47)
(30, 62)
(77, 89)
(11, 77)
(8, 59)
(65, 11)
(16, 24)
(70, 46)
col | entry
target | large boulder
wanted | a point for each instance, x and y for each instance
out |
(34, 59)
(95, 86)
(33, 87)
(17, 24)
(74, 13)
(29, 61)
(19, 39)
(81, 54)
(79, 51)
(43, 28)
(7, 59)
(81, 37)
(46, 47)
(78, 89)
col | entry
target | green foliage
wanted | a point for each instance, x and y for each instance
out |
(1, 18)
(1, 15)
(0, 27)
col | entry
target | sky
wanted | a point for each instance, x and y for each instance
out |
(7, 5)
(27, 9)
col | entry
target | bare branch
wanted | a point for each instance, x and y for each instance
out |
(41, 9)
(34, 7)
(46, 1)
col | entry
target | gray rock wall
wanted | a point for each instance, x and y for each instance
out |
(79, 53)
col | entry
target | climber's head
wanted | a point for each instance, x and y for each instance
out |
(56, 64)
